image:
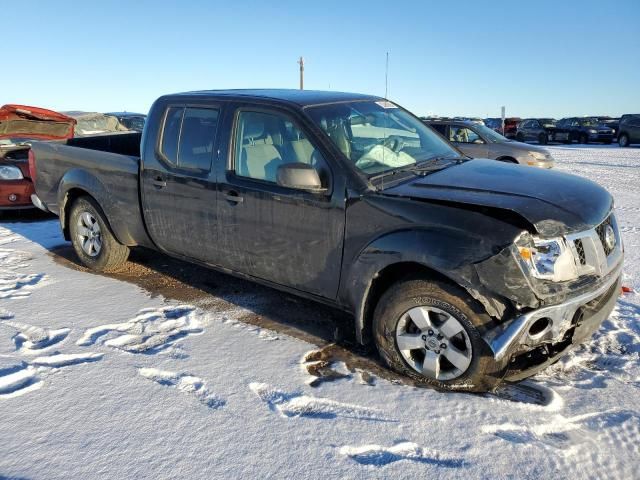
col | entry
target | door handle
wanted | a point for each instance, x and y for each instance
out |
(233, 197)
(159, 182)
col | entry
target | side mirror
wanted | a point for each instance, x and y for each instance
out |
(300, 176)
(478, 141)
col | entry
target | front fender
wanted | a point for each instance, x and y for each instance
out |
(450, 253)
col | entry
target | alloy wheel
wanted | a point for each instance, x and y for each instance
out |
(434, 343)
(89, 234)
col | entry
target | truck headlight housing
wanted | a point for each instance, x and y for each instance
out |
(8, 172)
(549, 259)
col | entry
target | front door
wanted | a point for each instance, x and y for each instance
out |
(178, 185)
(283, 235)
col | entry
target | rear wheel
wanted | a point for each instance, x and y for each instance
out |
(92, 238)
(430, 331)
(623, 141)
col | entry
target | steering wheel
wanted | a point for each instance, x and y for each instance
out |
(393, 142)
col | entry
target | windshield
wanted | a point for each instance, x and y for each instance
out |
(589, 122)
(377, 136)
(490, 134)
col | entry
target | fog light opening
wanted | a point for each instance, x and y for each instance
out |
(578, 317)
(540, 326)
(13, 197)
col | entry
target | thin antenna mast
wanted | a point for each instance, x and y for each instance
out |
(301, 63)
(386, 78)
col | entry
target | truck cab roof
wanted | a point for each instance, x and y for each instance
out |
(301, 98)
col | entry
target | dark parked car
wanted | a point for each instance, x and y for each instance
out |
(479, 141)
(612, 123)
(629, 129)
(541, 130)
(463, 272)
(133, 121)
(586, 130)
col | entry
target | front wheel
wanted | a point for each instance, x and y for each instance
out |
(584, 139)
(92, 238)
(623, 141)
(430, 331)
(542, 139)
(519, 137)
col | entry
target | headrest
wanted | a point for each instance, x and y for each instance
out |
(253, 130)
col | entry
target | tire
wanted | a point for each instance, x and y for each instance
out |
(584, 139)
(542, 139)
(92, 238)
(519, 137)
(396, 322)
(623, 140)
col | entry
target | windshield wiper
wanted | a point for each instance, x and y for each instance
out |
(420, 168)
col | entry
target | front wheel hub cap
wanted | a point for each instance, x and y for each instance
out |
(445, 354)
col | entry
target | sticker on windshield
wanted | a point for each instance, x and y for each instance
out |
(386, 104)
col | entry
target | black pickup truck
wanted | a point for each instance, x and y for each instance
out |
(464, 273)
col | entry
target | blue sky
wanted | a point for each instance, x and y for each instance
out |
(537, 57)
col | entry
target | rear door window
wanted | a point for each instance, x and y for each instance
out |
(198, 132)
(188, 137)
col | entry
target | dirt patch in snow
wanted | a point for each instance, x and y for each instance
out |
(327, 328)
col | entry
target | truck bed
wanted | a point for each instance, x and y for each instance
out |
(106, 166)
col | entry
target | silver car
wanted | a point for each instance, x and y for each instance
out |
(479, 141)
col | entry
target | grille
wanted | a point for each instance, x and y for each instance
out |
(580, 249)
(600, 230)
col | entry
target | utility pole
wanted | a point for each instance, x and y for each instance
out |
(301, 63)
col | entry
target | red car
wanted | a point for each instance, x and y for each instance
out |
(18, 124)
(511, 126)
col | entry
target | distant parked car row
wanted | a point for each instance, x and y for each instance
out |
(625, 130)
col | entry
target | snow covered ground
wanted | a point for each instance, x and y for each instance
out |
(100, 379)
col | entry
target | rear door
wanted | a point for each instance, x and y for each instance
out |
(283, 235)
(178, 183)
(467, 140)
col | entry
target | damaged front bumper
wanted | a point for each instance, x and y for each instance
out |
(539, 337)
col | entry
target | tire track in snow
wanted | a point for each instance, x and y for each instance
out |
(599, 444)
(185, 383)
(379, 456)
(151, 331)
(31, 339)
(300, 405)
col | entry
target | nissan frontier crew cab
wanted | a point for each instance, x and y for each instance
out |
(464, 273)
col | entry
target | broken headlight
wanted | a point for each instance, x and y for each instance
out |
(548, 259)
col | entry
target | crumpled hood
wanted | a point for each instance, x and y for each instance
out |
(554, 203)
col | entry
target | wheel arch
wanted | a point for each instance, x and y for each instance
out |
(507, 158)
(382, 281)
(447, 255)
(78, 183)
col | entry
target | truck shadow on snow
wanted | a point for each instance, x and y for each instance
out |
(329, 329)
